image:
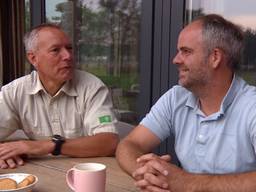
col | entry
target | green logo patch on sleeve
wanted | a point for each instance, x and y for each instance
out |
(105, 119)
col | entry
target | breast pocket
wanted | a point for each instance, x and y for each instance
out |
(73, 126)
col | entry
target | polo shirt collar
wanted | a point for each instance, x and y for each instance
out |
(192, 100)
(232, 92)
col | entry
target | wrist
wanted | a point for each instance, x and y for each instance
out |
(57, 141)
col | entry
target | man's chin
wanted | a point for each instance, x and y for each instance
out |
(184, 84)
(68, 74)
(181, 82)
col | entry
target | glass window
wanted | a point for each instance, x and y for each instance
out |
(241, 12)
(27, 28)
(105, 35)
(1, 56)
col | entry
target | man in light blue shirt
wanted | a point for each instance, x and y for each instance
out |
(211, 114)
(219, 143)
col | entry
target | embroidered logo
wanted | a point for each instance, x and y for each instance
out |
(105, 119)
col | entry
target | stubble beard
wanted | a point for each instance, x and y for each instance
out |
(195, 82)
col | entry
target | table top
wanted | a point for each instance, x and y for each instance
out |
(51, 173)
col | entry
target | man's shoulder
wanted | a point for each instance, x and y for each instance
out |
(177, 95)
(245, 95)
(21, 82)
(245, 90)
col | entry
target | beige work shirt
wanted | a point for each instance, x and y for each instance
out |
(81, 107)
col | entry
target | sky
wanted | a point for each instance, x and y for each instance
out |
(50, 8)
(241, 12)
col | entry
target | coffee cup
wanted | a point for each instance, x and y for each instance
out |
(87, 177)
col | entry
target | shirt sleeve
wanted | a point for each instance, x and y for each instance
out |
(158, 120)
(100, 116)
(8, 117)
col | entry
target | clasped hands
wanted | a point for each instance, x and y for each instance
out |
(157, 174)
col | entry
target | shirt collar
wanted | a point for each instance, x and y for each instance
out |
(36, 86)
(69, 88)
(232, 92)
(192, 100)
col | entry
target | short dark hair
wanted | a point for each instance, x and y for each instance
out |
(30, 38)
(220, 33)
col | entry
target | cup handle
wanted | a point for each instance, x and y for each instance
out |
(70, 178)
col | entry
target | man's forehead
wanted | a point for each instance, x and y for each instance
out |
(56, 36)
(191, 32)
(193, 28)
(190, 36)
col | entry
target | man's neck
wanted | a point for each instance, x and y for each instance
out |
(51, 87)
(211, 97)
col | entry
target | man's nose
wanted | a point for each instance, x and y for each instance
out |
(176, 60)
(66, 53)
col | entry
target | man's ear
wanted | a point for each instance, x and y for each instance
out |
(216, 57)
(32, 58)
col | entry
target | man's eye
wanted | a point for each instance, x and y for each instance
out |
(70, 48)
(55, 50)
(186, 51)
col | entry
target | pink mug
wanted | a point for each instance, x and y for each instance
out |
(87, 177)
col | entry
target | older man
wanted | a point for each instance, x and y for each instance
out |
(60, 109)
(211, 114)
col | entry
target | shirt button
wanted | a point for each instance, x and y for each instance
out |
(201, 139)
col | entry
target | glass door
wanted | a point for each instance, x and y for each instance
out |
(105, 36)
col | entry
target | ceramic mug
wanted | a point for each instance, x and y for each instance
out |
(87, 177)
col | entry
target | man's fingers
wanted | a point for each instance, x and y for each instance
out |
(147, 157)
(156, 165)
(11, 163)
(141, 183)
(19, 160)
(142, 170)
(157, 181)
(3, 164)
(153, 167)
(152, 156)
(139, 172)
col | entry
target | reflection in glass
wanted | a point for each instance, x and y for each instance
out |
(240, 12)
(27, 28)
(105, 34)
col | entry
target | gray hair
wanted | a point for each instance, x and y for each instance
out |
(31, 37)
(220, 33)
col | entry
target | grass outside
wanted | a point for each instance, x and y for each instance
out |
(124, 81)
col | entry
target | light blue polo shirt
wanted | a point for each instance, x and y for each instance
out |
(223, 142)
